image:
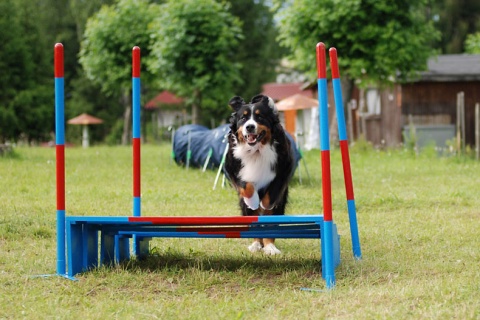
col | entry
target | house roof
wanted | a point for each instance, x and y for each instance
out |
(296, 102)
(165, 97)
(453, 67)
(279, 91)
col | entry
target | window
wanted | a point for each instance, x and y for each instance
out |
(373, 101)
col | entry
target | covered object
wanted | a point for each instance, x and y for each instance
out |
(204, 142)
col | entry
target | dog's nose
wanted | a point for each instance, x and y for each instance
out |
(250, 128)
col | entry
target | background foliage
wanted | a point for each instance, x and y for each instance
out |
(193, 52)
(379, 41)
(30, 28)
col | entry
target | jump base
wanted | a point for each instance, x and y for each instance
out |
(95, 241)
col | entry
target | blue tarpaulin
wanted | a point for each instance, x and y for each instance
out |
(204, 141)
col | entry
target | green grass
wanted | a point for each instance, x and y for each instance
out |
(419, 222)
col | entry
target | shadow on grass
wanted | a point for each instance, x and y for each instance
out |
(255, 263)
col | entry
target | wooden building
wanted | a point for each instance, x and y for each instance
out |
(429, 102)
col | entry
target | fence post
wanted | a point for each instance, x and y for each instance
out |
(460, 122)
(477, 130)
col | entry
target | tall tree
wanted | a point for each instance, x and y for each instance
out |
(14, 61)
(25, 98)
(379, 41)
(258, 51)
(106, 49)
(193, 52)
(33, 105)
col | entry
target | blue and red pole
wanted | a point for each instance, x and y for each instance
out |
(136, 142)
(328, 268)
(136, 130)
(60, 156)
(343, 140)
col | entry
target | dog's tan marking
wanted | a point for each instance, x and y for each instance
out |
(248, 191)
(257, 111)
(240, 135)
(268, 134)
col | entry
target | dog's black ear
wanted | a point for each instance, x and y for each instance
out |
(236, 103)
(259, 98)
(266, 100)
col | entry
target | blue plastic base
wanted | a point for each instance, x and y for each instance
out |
(96, 241)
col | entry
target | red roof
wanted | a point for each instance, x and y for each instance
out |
(279, 91)
(296, 102)
(165, 97)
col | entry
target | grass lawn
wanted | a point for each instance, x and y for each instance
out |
(419, 222)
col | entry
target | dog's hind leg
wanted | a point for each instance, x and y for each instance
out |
(269, 247)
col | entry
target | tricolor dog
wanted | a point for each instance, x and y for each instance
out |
(259, 162)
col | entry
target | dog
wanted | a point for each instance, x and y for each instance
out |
(259, 161)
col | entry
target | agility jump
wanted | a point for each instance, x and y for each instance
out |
(86, 242)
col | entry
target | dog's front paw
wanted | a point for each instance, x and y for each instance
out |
(271, 250)
(252, 202)
(255, 247)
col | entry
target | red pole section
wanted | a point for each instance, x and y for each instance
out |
(334, 63)
(321, 61)
(136, 62)
(58, 60)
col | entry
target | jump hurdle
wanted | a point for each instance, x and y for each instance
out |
(87, 242)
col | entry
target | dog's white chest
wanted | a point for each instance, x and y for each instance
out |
(258, 164)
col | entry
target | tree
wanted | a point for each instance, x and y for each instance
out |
(455, 20)
(14, 61)
(472, 44)
(106, 49)
(258, 51)
(378, 41)
(25, 98)
(193, 52)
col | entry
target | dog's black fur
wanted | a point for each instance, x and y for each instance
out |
(258, 139)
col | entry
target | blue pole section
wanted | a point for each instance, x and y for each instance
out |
(323, 114)
(327, 236)
(137, 206)
(337, 94)
(61, 261)
(136, 106)
(352, 215)
(59, 112)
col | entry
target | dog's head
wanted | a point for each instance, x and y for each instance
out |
(253, 122)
